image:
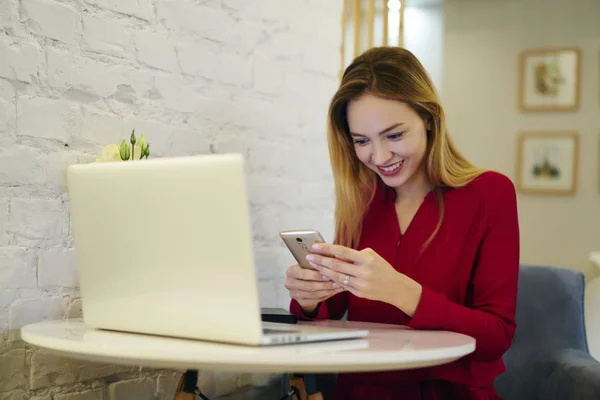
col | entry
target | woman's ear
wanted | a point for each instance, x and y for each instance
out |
(428, 124)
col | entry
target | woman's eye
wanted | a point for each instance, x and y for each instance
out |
(360, 141)
(395, 136)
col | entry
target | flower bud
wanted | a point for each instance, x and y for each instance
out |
(132, 138)
(124, 150)
(142, 142)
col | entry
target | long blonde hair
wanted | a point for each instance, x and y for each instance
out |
(391, 73)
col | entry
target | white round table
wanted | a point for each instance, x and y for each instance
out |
(388, 347)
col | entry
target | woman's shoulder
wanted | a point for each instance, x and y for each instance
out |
(492, 182)
(491, 188)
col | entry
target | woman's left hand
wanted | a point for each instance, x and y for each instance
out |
(367, 275)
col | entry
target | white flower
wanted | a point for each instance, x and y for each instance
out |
(109, 153)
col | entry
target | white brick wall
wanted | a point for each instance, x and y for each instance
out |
(249, 76)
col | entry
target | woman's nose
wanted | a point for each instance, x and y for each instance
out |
(381, 154)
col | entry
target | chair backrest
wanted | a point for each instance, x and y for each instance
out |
(549, 316)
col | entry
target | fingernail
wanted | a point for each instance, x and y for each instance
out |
(324, 277)
(313, 264)
(335, 285)
(317, 246)
(310, 257)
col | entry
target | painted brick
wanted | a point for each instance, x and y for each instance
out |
(166, 384)
(14, 395)
(44, 366)
(28, 311)
(17, 268)
(103, 128)
(53, 19)
(7, 14)
(19, 61)
(188, 142)
(142, 9)
(68, 71)
(12, 370)
(47, 118)
(57, 267)
(235, 70)
(156, 51)
(107, 36)
(56, 166)
(90, 395)
(214, 75)
(268, 76)
(3, 222)
(198, 59)
(74, 309)
(177, 94)
(7, 114)
(197, 20)
(273, 262)
(320, 59)
(37, 219)
(22, 165)
(133, 389)
(267, 293)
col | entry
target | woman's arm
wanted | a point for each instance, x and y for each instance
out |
(491, 318)
(332, 308)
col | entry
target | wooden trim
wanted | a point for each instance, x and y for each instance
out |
(343, 46)
(401, 25)
(371, 24)
(547, 134)
(521, 92)
(356, 27)
(385, 22)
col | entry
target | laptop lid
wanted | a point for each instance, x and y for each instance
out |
(164, 246)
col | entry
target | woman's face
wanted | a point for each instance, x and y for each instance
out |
(389, 137)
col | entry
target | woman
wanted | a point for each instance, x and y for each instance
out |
(423, 238)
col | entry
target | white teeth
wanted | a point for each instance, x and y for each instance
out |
(393, 167)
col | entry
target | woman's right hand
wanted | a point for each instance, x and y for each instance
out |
(309, 287)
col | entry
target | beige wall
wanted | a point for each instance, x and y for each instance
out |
(482, 44)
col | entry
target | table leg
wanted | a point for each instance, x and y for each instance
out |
(187, 388)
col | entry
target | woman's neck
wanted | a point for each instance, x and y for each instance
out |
(414, 190)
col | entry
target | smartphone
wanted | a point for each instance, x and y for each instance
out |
(300, 242)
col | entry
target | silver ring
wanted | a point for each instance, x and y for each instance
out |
(346, 280)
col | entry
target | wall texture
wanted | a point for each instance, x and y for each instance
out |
(229, 75)
(483, 40)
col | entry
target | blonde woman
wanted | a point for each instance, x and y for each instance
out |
(423, 237)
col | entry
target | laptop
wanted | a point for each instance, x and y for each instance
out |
(164, 247)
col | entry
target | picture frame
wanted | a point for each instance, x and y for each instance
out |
(547, 162)
(598, 164)
(550, 79)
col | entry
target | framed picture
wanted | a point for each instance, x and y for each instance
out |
(549, 80)
(547, 162)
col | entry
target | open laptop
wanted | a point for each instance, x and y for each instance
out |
(164, 246)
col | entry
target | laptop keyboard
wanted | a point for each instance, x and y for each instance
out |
(269, 330)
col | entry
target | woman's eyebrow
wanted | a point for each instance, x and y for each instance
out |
(386, 130)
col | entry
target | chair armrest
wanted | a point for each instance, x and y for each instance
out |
(572, 374)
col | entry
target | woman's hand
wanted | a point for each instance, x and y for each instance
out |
(367, 275)
(309, 287)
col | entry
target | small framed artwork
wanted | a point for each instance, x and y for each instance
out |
(547, 162)
(549, 80)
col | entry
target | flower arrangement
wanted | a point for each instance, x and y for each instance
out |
(136, 149)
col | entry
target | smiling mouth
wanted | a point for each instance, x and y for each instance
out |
(391, 168)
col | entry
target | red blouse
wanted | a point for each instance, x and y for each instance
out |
(469, 277)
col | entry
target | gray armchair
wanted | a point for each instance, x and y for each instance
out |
(549, 356)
